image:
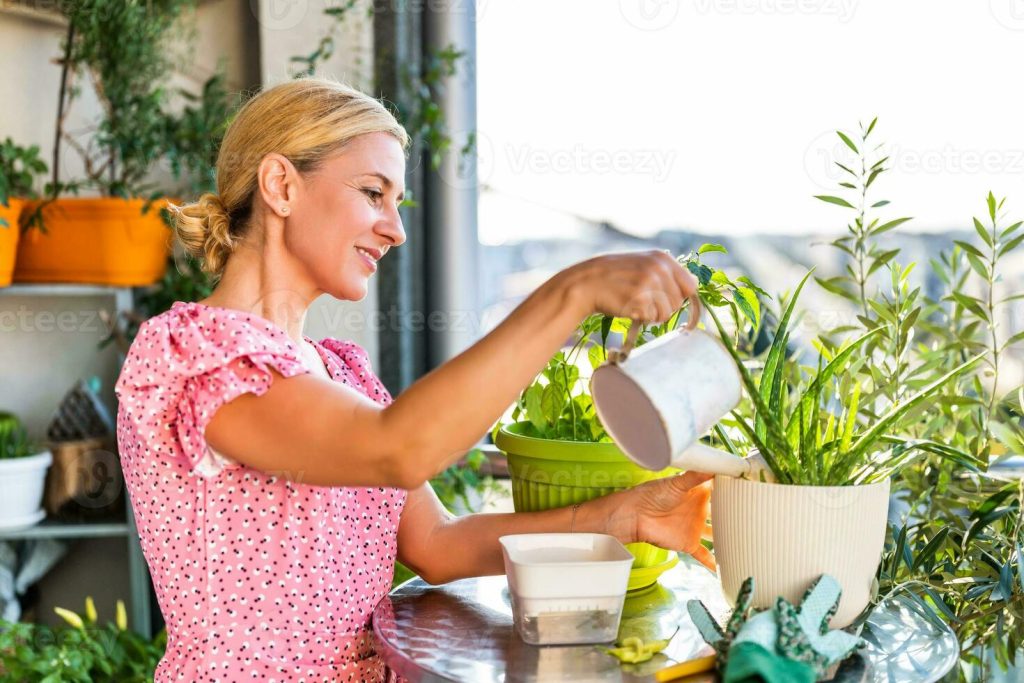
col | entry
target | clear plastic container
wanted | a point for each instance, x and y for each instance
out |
(566, 589)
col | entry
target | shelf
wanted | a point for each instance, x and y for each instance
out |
(69, 530)
(62, 289)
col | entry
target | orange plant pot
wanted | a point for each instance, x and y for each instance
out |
(105, 241)
(9, 238)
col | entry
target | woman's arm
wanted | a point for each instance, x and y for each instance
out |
(671, 513)
(322, 433)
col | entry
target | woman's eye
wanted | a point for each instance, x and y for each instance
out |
(375, 195)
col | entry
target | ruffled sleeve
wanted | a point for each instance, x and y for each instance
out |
(188, 362)
(356, 369)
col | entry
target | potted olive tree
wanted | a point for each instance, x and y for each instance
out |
(20, 167)
(116, 235)
(22, 476)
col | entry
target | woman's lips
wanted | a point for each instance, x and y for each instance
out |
(370, 263)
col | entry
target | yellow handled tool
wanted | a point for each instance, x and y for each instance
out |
(694, 666)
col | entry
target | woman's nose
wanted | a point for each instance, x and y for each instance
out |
(392, 228)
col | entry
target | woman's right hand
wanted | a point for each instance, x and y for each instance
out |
(648, 286)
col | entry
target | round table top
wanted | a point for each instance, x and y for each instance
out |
(463, 631)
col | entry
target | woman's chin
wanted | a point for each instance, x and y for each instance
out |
(349, 291)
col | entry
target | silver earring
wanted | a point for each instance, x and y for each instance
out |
(285, 209)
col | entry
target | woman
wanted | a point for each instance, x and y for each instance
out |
(273, 479)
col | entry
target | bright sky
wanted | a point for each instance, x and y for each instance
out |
(717, 115)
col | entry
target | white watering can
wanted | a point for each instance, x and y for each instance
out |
(656, 401)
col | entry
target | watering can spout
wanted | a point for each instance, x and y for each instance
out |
(703, 458)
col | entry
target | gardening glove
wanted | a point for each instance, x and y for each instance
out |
(803, 632)
(713, 634)
(783, 644)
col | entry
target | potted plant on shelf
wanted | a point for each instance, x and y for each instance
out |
(19, 169)
(22, 476)
(118, 237)
(827, 512)
(558, 451)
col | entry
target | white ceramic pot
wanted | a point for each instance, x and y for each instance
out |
(787, 536)
(21, 490)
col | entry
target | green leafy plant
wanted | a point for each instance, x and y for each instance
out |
(558, 405)
(462, 485)
(808, 430)
(194, 135)
(126, 49)
(19, 169)
(14, 441)
(956, 554)
(83, 652)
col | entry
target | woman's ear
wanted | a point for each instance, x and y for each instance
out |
(277, 178)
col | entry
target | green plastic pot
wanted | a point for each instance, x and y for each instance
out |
(548, 473)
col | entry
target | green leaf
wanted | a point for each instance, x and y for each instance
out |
(941, 604)
(978, 266)
(849, 143)
(749, 305)
(839, 201)
(886, 227)
(1010, 230)
(834, 286)
(871, 127)
(991, 201)
(982, 232)
(879, 204)
(746, 280)
(897, 553)
(705, 248)
(930, 549)
(971, 304)
(700, 271)
(773, 366)
(534, 411)
(1011, 245)
(552, 402)
(969, 248)
(874, 174)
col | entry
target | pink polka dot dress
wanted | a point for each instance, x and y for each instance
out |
(258, 578)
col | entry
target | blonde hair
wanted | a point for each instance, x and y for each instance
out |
(306, 120)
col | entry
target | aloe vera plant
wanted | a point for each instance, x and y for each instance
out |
(808, 431)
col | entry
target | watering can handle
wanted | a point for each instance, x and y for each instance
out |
(618, 355)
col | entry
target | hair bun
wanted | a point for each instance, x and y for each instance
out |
(204, 230)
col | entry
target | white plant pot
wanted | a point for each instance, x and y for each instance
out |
(21, 490)
(788, 536)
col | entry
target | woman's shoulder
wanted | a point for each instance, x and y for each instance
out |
(191, 338)
(357, 366)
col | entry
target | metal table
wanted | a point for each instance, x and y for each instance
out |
(463, 632)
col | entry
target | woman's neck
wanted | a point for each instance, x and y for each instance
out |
(262, 281)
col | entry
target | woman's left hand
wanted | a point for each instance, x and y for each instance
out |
(670, 513)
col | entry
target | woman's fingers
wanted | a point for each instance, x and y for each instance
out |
(704, 556)
(692, 479)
